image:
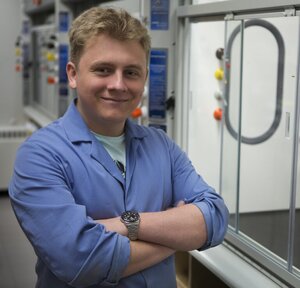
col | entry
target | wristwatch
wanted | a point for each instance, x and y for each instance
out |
(131, 220)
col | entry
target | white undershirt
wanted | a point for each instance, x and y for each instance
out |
(115, 146)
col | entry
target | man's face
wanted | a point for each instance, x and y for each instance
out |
(109, 80)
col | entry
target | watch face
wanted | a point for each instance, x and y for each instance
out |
(130, 216)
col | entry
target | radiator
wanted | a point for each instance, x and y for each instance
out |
(10, 139)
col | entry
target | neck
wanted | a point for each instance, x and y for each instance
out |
(108, 131)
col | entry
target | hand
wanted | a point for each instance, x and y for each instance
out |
(180, 203)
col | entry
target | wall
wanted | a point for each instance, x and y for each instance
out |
(207, 1)
(10, 81)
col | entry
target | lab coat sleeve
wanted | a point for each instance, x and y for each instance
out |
(77, 250)
(191, 187)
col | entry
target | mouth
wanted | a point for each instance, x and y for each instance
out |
(115, 100)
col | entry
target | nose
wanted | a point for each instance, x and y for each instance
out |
(117, 82)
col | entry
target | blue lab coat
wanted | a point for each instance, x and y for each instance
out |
(64, 179)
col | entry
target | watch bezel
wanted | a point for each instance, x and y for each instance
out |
(130, 216)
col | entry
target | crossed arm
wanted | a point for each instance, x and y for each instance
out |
(161, 234)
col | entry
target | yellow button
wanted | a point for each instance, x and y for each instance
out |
(219, 74)
(18, 52)
(51, 56)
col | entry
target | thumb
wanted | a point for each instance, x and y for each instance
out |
(180, 203)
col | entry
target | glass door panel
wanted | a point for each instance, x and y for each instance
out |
(204, 131)
(266, 84)
(231, 116)
(207, 81)
(296, 256)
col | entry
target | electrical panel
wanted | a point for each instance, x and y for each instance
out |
(45, 52)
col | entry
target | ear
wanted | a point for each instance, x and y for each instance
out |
(72, 74)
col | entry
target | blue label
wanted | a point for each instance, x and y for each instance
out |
(26, 62)
(159, 14)
(25, 27)
(158, 83)
(63, 60)
(63, 21)
(63, 90)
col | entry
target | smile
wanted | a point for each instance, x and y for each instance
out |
(117, 100)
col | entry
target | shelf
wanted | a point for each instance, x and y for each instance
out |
(232, 269)
(36, 116)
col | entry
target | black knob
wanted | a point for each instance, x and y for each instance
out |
(220, 53)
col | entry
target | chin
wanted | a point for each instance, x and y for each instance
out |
(114, 119)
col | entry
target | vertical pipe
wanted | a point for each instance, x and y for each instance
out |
(223, 121)
(239, 138)
(292, 214)
(186, 69)
(181, 107)
(178, 88)
(181, 94)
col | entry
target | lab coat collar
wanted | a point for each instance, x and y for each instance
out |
(74, 125)
(78, 132)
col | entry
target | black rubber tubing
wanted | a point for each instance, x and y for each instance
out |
(279, 90)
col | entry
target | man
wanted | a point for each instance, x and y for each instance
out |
(105, 202)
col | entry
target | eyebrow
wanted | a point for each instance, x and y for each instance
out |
(98, 64)
(109, 64)
(138, 67)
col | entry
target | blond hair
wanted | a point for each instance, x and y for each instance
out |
(117, 23)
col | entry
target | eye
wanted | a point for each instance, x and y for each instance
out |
(102, 71)
(132, 73)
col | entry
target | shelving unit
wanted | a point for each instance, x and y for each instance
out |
(182, 269)
(190, 273)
